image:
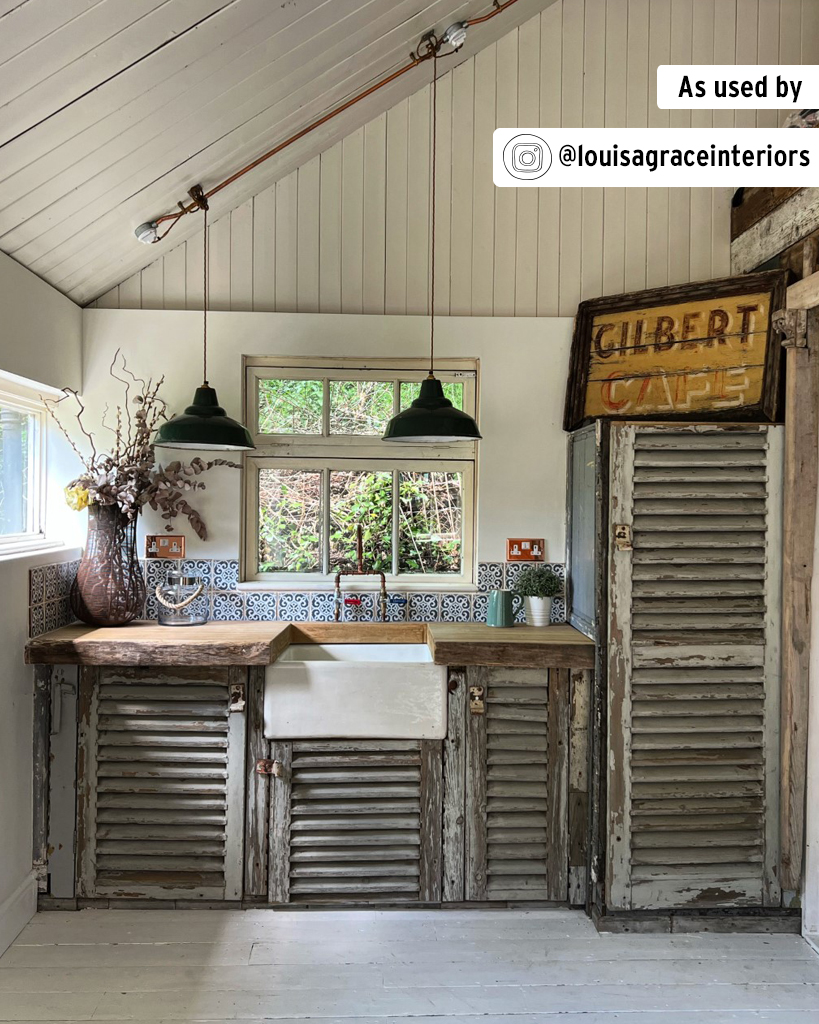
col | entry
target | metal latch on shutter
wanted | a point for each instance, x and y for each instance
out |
(265, 766)
(622, 537)
(237, 697)
(476, 701)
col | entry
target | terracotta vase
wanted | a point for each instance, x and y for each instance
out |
(109, 589)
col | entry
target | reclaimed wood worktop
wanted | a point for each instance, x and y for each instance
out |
(261, 643)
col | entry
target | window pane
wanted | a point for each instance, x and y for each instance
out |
(410, 390)
(430, 522)
(361, 497)
(360, 406)
(290, 406)
(16, 440)
(289, 520)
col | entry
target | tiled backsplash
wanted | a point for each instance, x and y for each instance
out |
(48, 589)
(50, 585)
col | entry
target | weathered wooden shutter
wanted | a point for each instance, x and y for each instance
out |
(162, 772)
(517, 784)
(694, 666)
(356, 820)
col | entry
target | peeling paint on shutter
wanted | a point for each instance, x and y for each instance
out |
(356, 820)
(517, 786)
(162, 764)
(694, 666)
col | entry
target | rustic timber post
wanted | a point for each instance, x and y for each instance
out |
(800, 327)
(42, 752)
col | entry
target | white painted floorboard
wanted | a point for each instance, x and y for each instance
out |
(395, 967)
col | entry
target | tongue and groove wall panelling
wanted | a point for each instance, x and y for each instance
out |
(361, 227)
(694, 667)
(111, 115)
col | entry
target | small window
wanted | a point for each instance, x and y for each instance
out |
(320, 470)
(21, 469)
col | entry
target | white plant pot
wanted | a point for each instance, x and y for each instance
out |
(538, 610)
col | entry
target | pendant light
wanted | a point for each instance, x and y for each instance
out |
(204, 425)
(432, 418)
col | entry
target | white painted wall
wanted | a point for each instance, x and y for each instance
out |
(40, 339)
(523, 366)
(348, 231)
(41, 330)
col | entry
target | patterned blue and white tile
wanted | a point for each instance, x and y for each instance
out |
(156, 569)
(424, 607)
(322, 607)
(479, 605)
(36, 585)
(455, 608)
(224, 573)
(261, 606)
(52, 615)
(361, 610)
(294, 607)
(200, 567)
(518, 610)
(227, 607)
(558, 613)
(65, 614)
(52, 582)
(151, 610)
(511, 572)
(397, 607)
(36, 621)
(490, 576)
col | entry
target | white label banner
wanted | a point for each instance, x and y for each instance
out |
(648, 157)
(737, 86)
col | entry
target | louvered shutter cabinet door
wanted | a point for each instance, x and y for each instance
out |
(161, 769)
(517, 785)
(695, 559)
(356, 820)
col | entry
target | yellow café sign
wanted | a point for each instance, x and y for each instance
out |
(660, 355)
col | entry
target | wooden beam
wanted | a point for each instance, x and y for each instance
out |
(783, 227)
(756, 204)
(805, 293)
(801, 475)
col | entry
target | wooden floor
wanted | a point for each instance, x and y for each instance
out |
(439, 967)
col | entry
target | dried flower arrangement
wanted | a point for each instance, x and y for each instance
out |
(128, 476)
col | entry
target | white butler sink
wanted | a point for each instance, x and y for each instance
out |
(355, 691)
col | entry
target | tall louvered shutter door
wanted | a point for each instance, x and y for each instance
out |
(162, 770)
(517, 785)
(694, 666)
(356, 820)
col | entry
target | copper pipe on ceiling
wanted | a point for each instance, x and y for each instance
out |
(431, 47)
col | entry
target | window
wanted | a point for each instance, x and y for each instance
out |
(21, 467)
(320, 469)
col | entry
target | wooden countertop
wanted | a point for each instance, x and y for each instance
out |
(474, 643)
(261, 643)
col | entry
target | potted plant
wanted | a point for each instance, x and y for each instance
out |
(537, 585)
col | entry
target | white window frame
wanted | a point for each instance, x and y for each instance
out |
(33, 538)
(326, 452)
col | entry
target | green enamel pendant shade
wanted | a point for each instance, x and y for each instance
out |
(432, 419)
(204, 425)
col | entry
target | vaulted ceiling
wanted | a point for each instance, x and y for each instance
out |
(110, 110)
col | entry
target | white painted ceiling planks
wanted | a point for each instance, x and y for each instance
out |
(111, 111)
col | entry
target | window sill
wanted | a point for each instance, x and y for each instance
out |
(349, 583)
(34, 548)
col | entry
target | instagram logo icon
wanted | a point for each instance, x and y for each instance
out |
(527, 156)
